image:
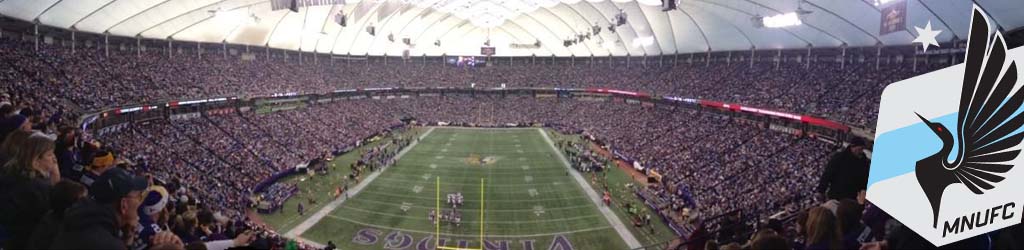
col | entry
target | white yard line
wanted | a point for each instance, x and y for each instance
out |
(466, 235)
(412, 197)
(468, 222)
(488, 209)
(608, 214)
(326, 210)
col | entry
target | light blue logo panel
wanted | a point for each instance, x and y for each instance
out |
(896, 152)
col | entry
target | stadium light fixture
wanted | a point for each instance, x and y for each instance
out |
(643, 41)
(881, 2)
(782, 20)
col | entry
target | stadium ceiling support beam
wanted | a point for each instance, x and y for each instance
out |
(382, 26)
(752, 51)
(647, 21)
(274, 29)
(778, 59)
(169, 48)
(581, 16)
(91, 13)
(672, 31)
(525, 31)
(327, 20)
(734, 26)
(943, 21)
(106, 44)
(561, 20)
(842, 63)
(226, 35)
(702, 33)
(878, 57)
(845, 20)
(199, 50)
(47, 9)
(72, 41)
(427, 27)
(994, 21)
(808, 66)
(138, 46)
(714, 4)
(35, 32)
(452, 27)
(707, 61)
(599, 13)
(186, 13)
(363, 24)
(134, 15)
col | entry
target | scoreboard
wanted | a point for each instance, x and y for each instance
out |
(487, 51)
(294, 5)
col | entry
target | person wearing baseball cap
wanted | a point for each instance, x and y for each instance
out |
(106, 221)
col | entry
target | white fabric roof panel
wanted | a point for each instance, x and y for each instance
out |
(721, 24)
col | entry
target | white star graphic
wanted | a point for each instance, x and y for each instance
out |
(926, 36)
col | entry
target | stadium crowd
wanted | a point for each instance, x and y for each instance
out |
(91, 80)
(90, 192)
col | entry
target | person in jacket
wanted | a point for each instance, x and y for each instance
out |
(846, 174)
(108, 220)
(25, 183)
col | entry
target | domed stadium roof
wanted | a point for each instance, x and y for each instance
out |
(514, 27)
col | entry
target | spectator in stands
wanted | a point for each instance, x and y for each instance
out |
(14, 142)
(108, 220)
(768, 239)
(154, 201)
(185, 227)
(101, 162)
(848, 219)
(25, 183)
(822, 231)
(14, 123)
(62, 196)
(66, 153)
(846, 174)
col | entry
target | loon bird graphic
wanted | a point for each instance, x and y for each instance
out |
(986, 123)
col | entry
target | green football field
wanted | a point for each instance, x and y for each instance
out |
(530, 200)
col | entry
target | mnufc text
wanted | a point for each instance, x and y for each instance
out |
(978, 219)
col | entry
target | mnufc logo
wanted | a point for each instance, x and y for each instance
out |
(945, 149)
(979, 219)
